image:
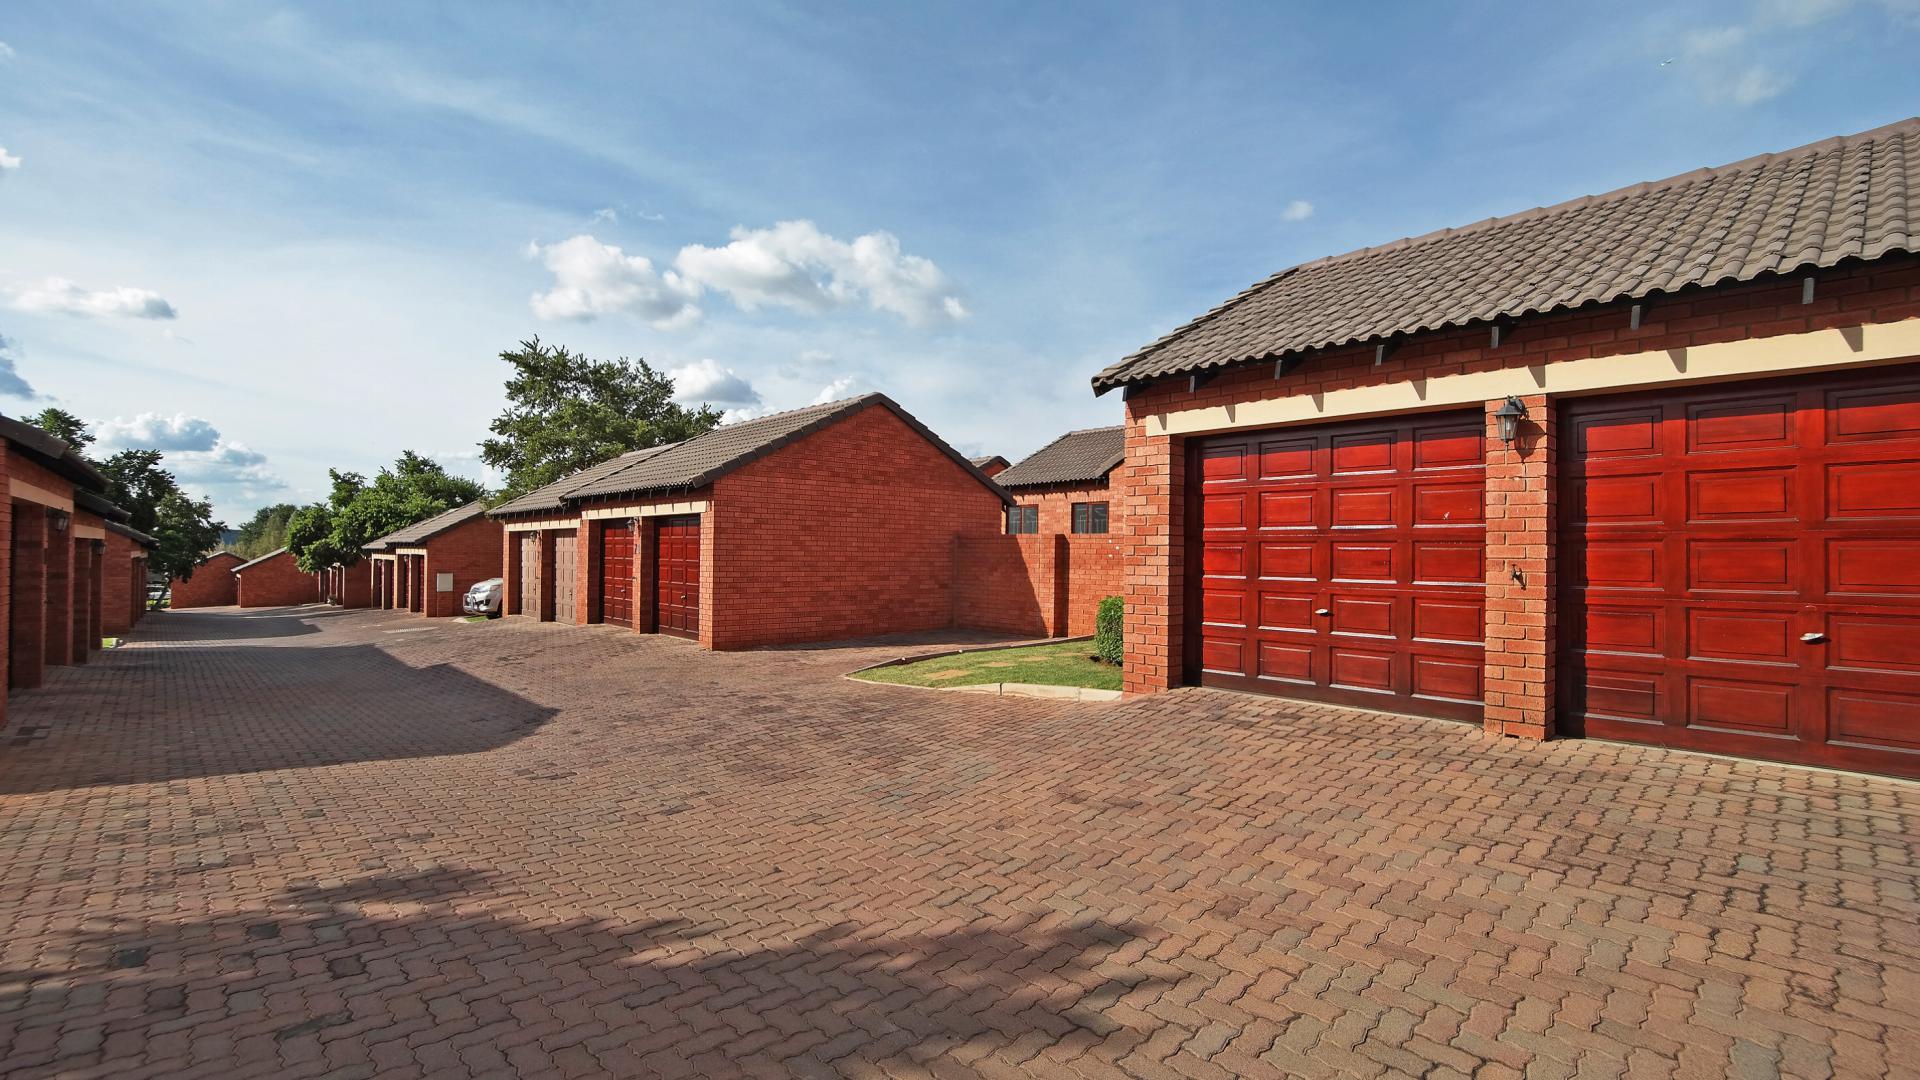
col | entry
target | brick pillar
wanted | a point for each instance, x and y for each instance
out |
(586, 565)
(59, 590)
(1520, 574)
(27, 588)
(97, 607)
(82, 606)
(1057, 610)
(547, 583)
(1153, 479)
(646, 591)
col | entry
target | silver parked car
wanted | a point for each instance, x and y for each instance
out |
(484, 598)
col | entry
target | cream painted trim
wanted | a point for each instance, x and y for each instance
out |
(384, 558)
(409, 551)
(601, 513)
(87, 532)
(1789, 353)
(20, 489)
(542, 526)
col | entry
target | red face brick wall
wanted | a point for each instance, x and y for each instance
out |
(587, 558)
(846, 533)
(278, 582)
(1010, 584)
(6, 576)
(470, 552)
(212, 583)
(1153, 476)
(349, 586)
(117, 599)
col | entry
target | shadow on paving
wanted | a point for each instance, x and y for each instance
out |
(147, 715)
(386, 959)
(227, 624)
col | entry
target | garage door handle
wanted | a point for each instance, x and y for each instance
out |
(1815, 638)
(1322, 612)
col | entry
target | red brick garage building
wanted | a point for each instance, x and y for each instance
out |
(834, 521)
(213, 583)
(429, 566)
(273, 580)
(1644, 466)
(53, 554)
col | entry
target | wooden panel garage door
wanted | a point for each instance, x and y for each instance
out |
(566, 586)
(1343, 563)
(1741, 570)
(616, 574)
(530, 574)
(676, 575)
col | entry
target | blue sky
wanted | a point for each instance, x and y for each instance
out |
(277, 238)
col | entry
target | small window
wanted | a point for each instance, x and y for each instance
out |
(1090, 517)
(1023, 519)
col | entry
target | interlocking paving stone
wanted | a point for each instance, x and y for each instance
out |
(292, 843)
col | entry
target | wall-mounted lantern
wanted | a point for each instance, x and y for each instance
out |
(59, 519)
(1510, 413)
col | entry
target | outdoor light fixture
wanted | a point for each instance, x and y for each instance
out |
(1510, 414)
(59, 520)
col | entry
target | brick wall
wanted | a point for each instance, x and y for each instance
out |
(277, 582)
(118, 595)
(212, 584)
(1010, 584)
(470, 552)
(847, 533)
(1519, 668)
(349, 586)
(6, 577)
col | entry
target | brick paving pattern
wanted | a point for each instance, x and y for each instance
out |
(303, 843)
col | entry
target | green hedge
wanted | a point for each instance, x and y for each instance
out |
(1106, 629)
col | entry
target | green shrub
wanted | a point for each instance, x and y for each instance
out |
(1106, 629)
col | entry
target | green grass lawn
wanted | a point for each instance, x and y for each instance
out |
(1067, 664)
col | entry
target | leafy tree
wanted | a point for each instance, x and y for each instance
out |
(137, 482)
(566, 411)
(266, 531)
(185, 531)
(64, 426)
(358, 512)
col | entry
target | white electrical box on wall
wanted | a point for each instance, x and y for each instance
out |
(443, 582)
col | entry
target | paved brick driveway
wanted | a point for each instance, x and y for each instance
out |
(324, 842)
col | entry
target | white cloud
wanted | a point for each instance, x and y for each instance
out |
(60, 296)
(226, 464)
(839, 388)
(591, 279)
(1297, 210)
(605, 214)
(154, 431)
(706, 381)
(795, 265)
(8, 162)
(6, 51)
(11, 383)
(1757, 84)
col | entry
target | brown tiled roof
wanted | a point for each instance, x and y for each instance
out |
(705, 458)
(261, 559)
(421, 531)
(554, 496)
(1074, 458)
(134, 534)
(52, 453)
(1851, 197)
(987, 461)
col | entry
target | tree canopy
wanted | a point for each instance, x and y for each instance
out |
(265, 531)
(358, 512)
(64, 426)
(567, 411)
(183, 527)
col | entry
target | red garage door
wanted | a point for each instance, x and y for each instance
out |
(616, 574)
(1343, 563)
(1741, 570)
(676, 574)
